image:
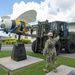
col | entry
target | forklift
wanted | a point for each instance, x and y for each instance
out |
(57, 28)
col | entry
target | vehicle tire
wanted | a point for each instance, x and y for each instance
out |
(34, 46)
(70, 47)
(58, 47)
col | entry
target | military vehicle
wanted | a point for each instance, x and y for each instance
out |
(58, 28)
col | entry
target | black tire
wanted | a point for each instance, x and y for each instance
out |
(70, 47)
(58, 47)
(34, 46)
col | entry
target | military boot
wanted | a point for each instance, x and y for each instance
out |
(55, 70)
(45, 70)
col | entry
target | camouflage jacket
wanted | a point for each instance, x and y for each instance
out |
(49, 46)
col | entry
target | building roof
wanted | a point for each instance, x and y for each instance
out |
(71, 23)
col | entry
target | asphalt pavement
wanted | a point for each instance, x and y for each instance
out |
(10, 47)
(28, 48)
(70, 55)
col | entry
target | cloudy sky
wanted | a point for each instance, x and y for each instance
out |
(62, 10)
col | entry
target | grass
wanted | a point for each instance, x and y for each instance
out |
(37, 69)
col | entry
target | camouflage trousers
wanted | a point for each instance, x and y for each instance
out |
(51, 58)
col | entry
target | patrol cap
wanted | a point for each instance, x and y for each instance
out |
(50, 34)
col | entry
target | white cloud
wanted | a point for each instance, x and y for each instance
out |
(48, 9)
(61, 10)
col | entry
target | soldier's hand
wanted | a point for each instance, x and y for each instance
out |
(58, 37)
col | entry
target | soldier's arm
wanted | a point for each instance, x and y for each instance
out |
(57, 38)
(45, 48)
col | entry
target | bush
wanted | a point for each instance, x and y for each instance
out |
(10, 42)
(14, 40)
(26, 41)
(9, 39)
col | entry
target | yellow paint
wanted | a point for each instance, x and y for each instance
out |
(26, 24)
(26, 30)
(19, 23)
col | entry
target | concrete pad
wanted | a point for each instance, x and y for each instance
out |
(11, 65)
(72, 72)
(62, 70)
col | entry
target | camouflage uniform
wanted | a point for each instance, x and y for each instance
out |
(50, 52)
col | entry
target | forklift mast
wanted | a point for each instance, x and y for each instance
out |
(42, 30)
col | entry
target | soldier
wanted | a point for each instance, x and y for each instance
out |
(50, 51)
